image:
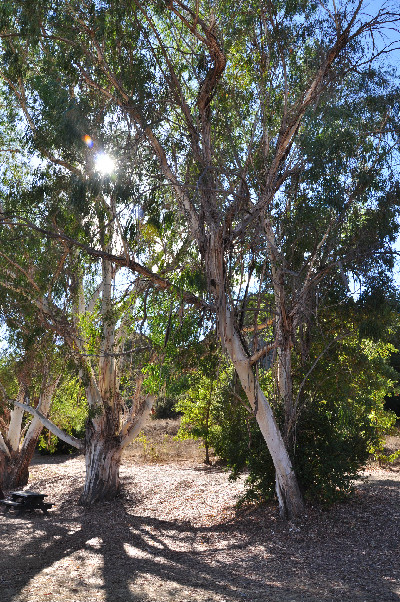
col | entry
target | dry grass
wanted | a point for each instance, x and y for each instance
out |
(157, 444)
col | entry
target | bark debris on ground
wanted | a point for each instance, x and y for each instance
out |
(174, 535)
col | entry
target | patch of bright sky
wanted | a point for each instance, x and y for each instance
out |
(389, 38)
(3, 338)
(104, 164)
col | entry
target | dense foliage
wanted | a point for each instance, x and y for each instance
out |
(342, 419)
(69, 412)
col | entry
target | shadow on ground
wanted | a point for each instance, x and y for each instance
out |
(349, 554)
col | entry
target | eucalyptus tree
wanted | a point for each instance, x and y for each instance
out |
(78, 303)
(272, 133)
(80, 300)
(31, 377)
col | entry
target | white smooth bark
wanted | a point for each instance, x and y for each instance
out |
(52, 427)
(288, 492)
(14, 428)
(132, 430)
(15, 425)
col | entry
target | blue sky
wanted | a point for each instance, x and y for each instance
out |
(390, 36)
(391, 33)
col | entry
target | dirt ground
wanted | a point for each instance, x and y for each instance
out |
(174, 535)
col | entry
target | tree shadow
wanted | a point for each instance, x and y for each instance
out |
(145, 536)
(254, 564)
(39, 459)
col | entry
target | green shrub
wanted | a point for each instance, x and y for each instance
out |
(340, 422)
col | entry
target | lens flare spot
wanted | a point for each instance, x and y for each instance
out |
(87, 140)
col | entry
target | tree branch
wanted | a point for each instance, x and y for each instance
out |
(290, 125)
(261, 352)
(133, 429)
(120, 260)
(78, 443)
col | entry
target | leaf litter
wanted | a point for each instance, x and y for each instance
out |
(175, 535)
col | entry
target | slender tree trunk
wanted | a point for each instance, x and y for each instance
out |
(289, 496)
(284, 338)
(285, 386)
(207, 436)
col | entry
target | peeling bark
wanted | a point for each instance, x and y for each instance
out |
(102, 459)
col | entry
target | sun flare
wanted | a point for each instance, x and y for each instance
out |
(104, 164)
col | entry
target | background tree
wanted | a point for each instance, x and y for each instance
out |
(32, 379)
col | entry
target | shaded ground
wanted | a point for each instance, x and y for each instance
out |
(175, 536)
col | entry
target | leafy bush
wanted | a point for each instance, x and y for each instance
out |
(342, 420)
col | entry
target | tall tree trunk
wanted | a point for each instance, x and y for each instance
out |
(102, 458)
(289, 496)
(283, 333)
(103, 441)
(285, 386)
